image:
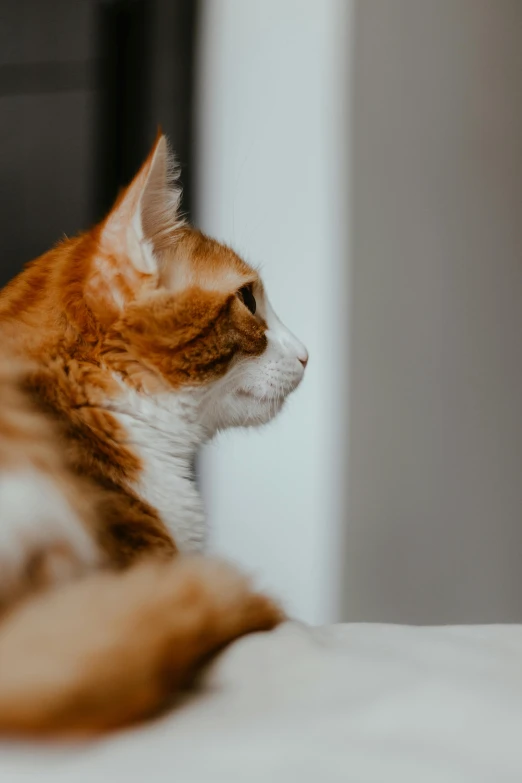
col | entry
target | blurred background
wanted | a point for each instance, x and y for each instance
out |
(368, 154)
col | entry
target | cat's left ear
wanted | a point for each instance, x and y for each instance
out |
(146, 215)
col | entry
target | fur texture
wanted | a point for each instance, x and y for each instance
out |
(47, 519)
(139, 340)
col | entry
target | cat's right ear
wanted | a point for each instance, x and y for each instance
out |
(146, 215)
(143, 222)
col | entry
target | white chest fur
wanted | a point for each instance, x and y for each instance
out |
(163, 431)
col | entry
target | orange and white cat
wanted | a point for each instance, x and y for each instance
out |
(134, 343)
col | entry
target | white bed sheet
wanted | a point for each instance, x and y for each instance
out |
(352, 703)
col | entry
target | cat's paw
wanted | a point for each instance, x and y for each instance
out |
(216, 602)
(233, 603)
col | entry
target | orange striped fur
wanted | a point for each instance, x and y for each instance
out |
(133, 343)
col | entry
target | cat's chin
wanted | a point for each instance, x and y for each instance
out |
(264, 409)
(245, 409)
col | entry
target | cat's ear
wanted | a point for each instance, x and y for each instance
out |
(146, 215)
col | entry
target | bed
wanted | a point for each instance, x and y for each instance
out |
(359, 702)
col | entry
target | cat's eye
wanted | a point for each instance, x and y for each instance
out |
(247, 297)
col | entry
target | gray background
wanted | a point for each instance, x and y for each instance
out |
(434, 529)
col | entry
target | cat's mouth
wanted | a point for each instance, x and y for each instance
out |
(274, 392)
(247, 394)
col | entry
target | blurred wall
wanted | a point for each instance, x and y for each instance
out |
(434, 532)
(272, 181)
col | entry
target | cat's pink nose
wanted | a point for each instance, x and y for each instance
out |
(303, 358)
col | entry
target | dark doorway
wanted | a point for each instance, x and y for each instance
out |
(84, 86)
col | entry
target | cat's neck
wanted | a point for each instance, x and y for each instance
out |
(164, 433)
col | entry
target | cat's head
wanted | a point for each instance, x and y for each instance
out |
(182, 311)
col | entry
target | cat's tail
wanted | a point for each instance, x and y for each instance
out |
(113, 648)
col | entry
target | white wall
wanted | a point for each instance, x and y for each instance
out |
(272, 182)
(435, 525)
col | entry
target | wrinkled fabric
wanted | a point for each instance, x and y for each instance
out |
(352, 703)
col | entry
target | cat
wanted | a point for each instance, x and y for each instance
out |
(133, 344)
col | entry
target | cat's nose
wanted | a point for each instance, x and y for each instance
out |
(303, 357)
